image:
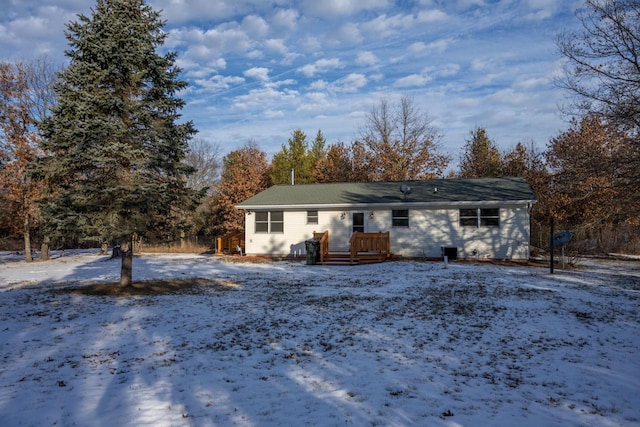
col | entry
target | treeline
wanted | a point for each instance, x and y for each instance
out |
(577, 179)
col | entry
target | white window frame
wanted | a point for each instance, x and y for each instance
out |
(311, 218)
(481, 217)
(395, 217)
(270, 222)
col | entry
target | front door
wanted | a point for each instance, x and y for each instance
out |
(358, 221)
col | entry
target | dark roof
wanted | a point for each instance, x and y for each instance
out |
(429, 192)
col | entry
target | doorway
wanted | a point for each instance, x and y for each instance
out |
(358, 221)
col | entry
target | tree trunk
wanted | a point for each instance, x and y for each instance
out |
(27, 238)
(44, 249)
(127, 263)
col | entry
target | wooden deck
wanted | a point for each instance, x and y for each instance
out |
(232, 243)
(365, 248)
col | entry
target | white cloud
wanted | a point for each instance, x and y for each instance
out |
(255, 26)
(203, 10)
(274, 114)
(484, 64)
(466, 102)
(385, 26)
(316, 101)
(287, 82)
(532, 83)
(541, 9)
(464, 4)
(449, 70)
(332, 8)
(348, 33)
(320, 66)
(260, 98)
(413, 80)
(311, 44)
(349, 84)
(276, 45)
(435, 15)
(285, 19)
(366, 58)
(204, 45)
(417, 47)
(218, 82)
(509, 96)
(319, 85)
(258, 73)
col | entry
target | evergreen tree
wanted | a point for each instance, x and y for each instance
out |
(115, 148)
(481, 158)
(318, 150)
(298, 157)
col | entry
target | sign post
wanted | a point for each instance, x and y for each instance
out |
(560, 239)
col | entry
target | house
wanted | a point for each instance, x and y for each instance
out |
(486, 218)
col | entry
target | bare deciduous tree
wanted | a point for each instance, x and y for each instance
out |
(603, 65)
(204, 157)
(401, 143)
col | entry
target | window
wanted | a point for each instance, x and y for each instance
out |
(480, 217)
(312, 217)
(490, 217)
(262, 222)
(270, 222)
(469, 217)
(400, 218)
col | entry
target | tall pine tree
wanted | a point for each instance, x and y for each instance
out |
(481, 158)
(115, 149)
(297, 157)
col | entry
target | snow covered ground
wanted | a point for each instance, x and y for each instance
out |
(276, 344)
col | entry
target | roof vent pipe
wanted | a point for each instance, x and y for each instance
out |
(293, 177)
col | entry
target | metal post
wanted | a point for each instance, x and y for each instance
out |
(551, 245)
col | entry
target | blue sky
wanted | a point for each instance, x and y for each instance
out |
(261, 69)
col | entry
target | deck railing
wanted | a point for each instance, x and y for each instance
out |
(364, 248)
(370, 243)
(324, 244)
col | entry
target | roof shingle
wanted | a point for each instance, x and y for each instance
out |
(437, 191)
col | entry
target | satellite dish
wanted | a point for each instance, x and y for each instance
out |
(562, 238)
(405, 189)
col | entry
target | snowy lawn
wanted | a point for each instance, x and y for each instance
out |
(392, 344)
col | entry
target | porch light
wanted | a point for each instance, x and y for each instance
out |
(343, 216)
(371, 215)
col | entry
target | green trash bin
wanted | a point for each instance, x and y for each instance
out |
(313, 251)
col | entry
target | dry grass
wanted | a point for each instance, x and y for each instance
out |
(152, 287)
(175, 248)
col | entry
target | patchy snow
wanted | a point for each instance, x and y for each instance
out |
(392, 344)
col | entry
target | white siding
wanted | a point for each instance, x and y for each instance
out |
(429, 230)
(296, 231)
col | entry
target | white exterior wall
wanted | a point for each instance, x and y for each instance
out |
(429, 230)
(296, 232)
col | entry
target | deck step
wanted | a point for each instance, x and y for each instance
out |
(344, 258)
